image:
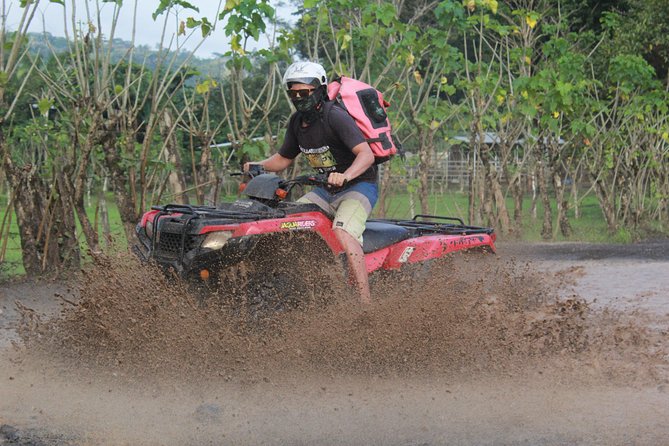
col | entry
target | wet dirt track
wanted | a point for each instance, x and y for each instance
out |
(485, 357)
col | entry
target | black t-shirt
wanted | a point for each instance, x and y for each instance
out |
(326, 150)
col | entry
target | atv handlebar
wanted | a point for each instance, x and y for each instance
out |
(306, 180)
(254, 171)
(318, 180)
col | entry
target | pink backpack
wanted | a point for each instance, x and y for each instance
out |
(366, 106)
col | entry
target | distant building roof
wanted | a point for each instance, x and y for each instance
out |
(493, 138)
(488, 138)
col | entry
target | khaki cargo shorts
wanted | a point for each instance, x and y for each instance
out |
(349, 208)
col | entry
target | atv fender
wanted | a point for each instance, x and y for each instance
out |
(424, 248)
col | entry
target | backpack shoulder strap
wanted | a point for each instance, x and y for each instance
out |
(327, 109)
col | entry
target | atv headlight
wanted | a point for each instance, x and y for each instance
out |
(149, 229)
(216, 240)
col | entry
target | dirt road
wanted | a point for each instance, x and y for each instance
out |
(542, 344)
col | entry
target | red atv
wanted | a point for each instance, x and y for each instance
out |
(261, 236)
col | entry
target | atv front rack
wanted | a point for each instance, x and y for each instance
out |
(176, 237)
(209, 211)
(426, 225)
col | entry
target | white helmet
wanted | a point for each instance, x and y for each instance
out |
(305, 73)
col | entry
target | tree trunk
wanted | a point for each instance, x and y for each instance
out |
(574, 198)
(535, 197)
(175, 178)
(75, 196)
(517, 194)
(606, 205)
(424, 165)
(122, 186)
(66, 226)
(208, 178)
(46, 225)
(104, 212)
(562, 204)
(214, 176)
(471, 196)
(495, 204)
(30, 201)
(547, 227)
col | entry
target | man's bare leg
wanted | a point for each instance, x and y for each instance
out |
(356, 261)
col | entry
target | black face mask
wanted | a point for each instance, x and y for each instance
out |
(309, 107)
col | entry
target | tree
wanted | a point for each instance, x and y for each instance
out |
(644, 30)
(627, 145)
(39, 194)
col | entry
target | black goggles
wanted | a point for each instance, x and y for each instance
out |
(303, 93)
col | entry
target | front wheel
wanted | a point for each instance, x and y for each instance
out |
(270, 292)
(285, 272)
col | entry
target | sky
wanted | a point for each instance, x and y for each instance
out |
(50, 18)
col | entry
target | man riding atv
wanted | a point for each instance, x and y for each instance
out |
(334, 146)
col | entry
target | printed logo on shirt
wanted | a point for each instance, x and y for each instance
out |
(320, 158)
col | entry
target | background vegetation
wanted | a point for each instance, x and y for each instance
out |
(555, 109)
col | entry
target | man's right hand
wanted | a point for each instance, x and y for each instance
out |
(338, 179)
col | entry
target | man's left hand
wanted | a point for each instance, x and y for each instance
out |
(337, 179)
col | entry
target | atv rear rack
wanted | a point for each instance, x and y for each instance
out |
(433, 227)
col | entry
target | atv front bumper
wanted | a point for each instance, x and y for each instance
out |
(190, 262)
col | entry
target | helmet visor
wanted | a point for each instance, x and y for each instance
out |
(303, 80)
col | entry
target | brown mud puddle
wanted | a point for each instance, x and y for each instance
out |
(482, 350)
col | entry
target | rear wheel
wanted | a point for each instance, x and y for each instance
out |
(406, 281)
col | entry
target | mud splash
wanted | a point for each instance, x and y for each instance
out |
(474, 350)
(467, 316)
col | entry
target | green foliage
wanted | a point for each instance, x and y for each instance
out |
(631, 72)
(166, 5)
(450, 12)
(641, 29)
(253, 150)
(246, 18)
(596, 82)
(44, 105)
(203, 23)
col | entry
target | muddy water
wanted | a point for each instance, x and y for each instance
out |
(481, 350)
